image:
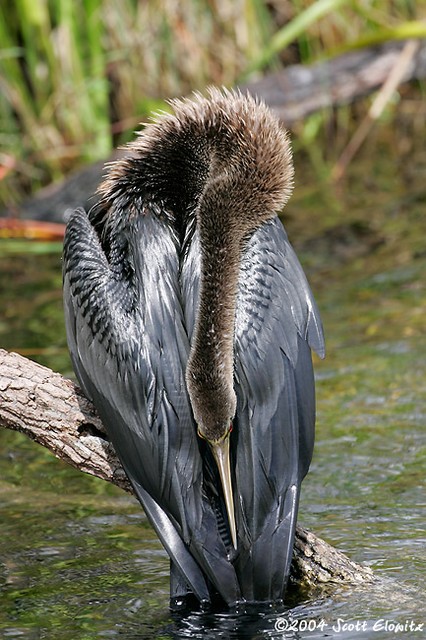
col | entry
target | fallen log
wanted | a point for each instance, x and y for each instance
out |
(300, 90)
(54, 412)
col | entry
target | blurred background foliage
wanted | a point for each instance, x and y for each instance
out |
(77, 76)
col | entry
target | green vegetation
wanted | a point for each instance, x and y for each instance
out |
(77, 76)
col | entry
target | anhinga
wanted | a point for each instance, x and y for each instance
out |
(190, 325)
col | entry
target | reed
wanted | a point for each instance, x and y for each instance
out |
(77, 76)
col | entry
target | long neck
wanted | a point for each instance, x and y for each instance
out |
(211, 360)
(227, 161)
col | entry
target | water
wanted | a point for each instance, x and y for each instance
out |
(78, 559)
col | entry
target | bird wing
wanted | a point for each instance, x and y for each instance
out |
(277, 324)
(129, 347)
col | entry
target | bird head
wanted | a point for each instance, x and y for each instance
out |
(220, 449)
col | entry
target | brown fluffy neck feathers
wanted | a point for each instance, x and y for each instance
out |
(227, 159)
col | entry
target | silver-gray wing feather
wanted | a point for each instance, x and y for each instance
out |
(277, 323)
(129, 347)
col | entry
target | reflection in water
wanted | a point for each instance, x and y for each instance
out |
(248, 626)
(309, 620)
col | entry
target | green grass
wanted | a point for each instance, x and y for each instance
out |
(77, 76)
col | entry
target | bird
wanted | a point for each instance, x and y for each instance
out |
(190, 326)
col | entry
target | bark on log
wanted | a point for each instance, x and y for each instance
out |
(299, 90)
(54, 412)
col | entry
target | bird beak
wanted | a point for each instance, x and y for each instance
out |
(220, 452)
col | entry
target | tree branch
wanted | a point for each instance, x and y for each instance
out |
(54, 412)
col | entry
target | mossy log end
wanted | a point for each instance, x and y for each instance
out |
(54, 412)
